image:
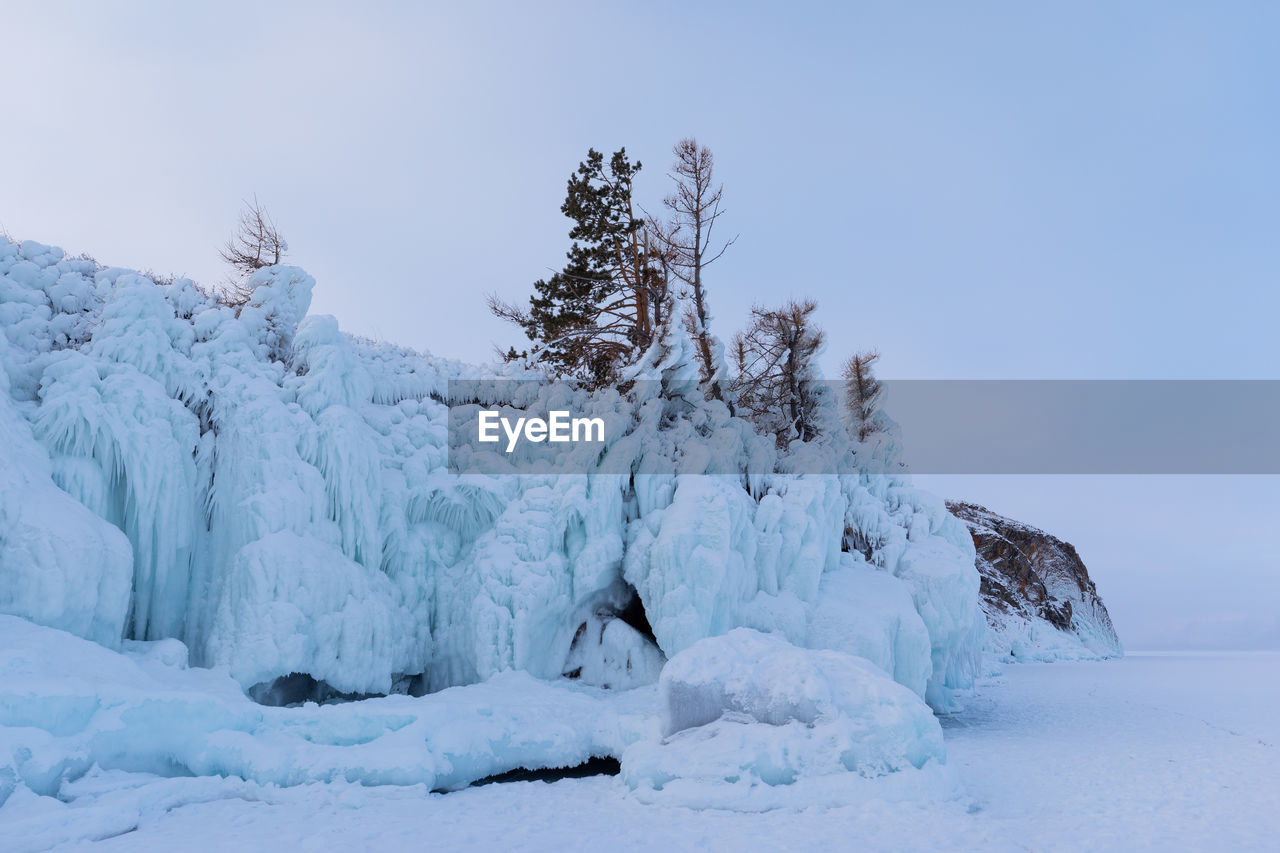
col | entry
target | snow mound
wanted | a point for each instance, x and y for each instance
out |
(751, 721)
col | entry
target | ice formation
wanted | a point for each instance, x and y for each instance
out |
(276, 495)
(747, 712)
(883, 627)
(67, 705)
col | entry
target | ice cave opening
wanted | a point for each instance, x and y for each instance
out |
(299, 688)
(614, 646)
(597, 766)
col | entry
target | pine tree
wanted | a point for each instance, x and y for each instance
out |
(598, 313)
(862, 394)
(776, 385)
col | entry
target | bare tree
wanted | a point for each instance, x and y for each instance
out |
(775, 385)
(862, 394)
(686, 243)
(256, 243)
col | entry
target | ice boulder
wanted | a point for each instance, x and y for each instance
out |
(751, 721)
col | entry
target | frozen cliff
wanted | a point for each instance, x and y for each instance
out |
(1036, 592)
(277, 496)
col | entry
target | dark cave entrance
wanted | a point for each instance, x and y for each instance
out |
(596, 766)
(299, 688)
(633, 614)
(622, 603)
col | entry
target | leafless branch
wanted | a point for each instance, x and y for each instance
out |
(256, 243)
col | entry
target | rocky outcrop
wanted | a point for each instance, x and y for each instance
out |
(1036, 592)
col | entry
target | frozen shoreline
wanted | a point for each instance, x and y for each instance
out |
(1169, 751)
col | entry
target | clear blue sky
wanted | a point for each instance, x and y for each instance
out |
(983, 190)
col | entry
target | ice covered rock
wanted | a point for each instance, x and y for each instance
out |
(944, 588)
(1038, 597)
(693, 562)
(126, 449)
(279, 297)
(608, 651)
(746, 712)
(910, 534)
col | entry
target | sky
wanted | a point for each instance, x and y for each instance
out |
(980, 191)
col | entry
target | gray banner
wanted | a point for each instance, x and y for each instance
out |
(940, 427)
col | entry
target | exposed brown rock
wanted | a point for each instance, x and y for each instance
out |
(1028, 574)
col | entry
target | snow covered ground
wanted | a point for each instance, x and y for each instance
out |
(1159, 751)
(1152, 751)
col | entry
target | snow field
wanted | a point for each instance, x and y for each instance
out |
(1149, 752)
